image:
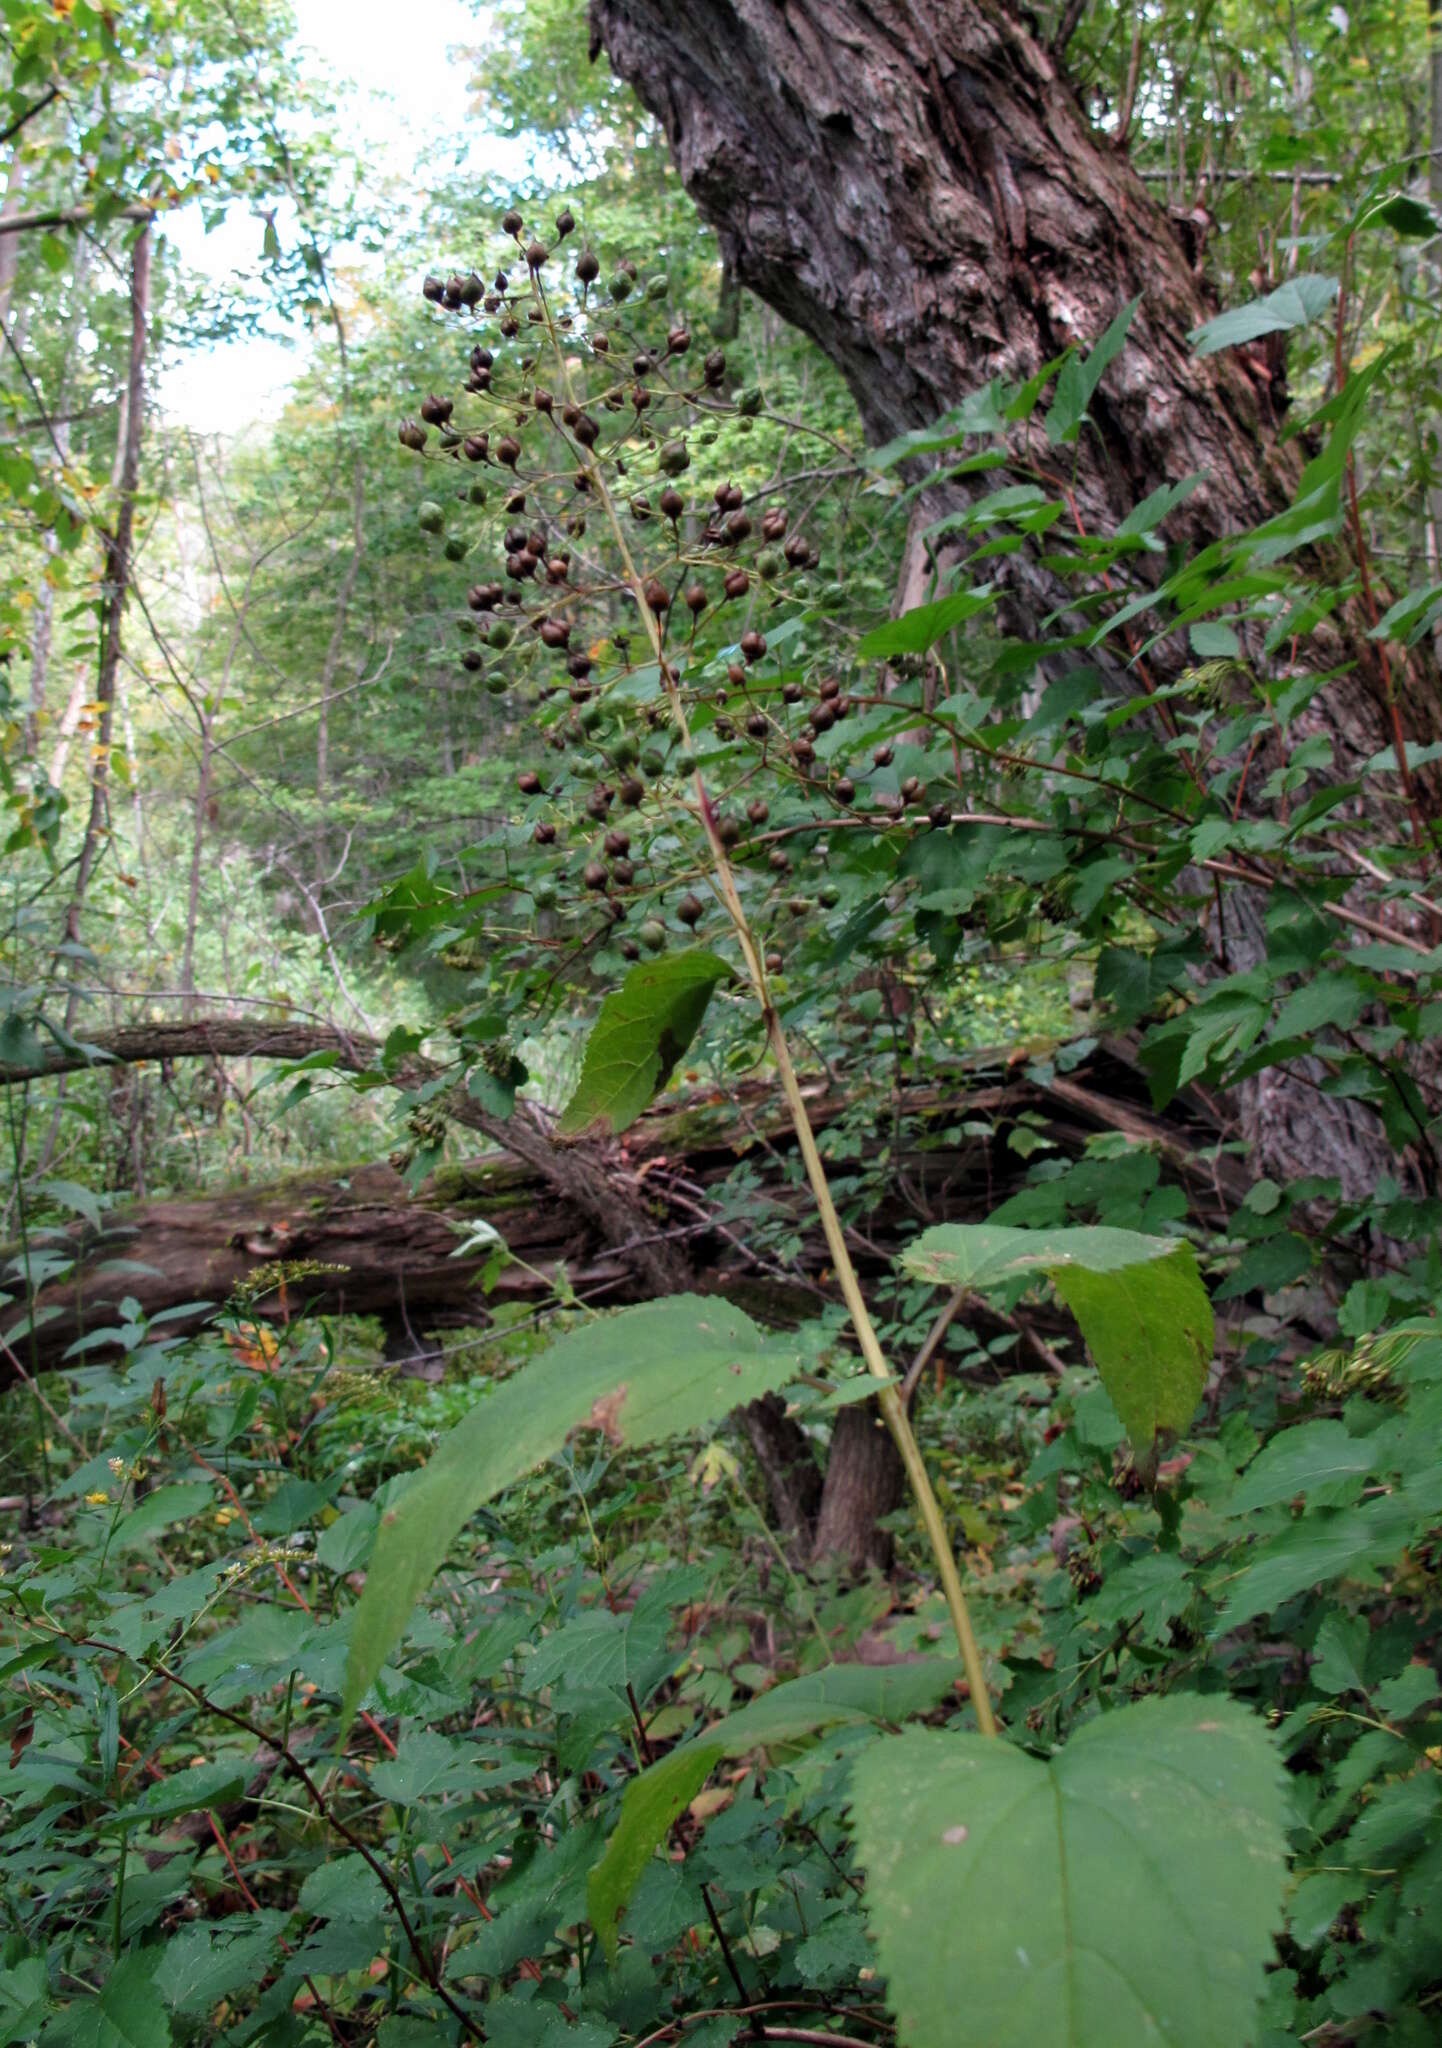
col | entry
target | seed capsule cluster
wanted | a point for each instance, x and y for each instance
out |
(582, 397)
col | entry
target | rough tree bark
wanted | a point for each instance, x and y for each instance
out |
(914, 184)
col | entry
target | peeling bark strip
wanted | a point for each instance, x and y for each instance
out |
(913, 183)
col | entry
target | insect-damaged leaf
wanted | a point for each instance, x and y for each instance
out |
(644, 1027)
(638, 1376)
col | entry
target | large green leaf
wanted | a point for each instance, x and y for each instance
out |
(1300, 300)
(658, 1796)
(644, 1028)
(640, 1375)
(1138, 1300)
(1124, 1892)
(919, 629)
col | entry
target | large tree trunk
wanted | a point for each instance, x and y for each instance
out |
(914, 184)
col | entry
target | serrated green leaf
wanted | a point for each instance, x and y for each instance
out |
(644, 1028)
(1300, 300)
(1138, 1300)
(823, 1699)
(919, 629)
(643, 1374)
(205, 1785)
(1126, 1891)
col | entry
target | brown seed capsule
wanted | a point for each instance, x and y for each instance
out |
(516, 502)
(823, 717)
(627, 947)
(724, 729)
(515, 539)
(657, 596)
(510, 326)
(588, 266)
(884, 755)
(844, 790)
(797, 551)
(535, 544)
(714, 368)
(594, 874)
(473, 659)
(671, 502)
(536, 254)
(720, 495)
(436, 411)
(633, 791)
(830, 686)
(735, 498)
(736, 675)
(512, 222)
(758, 725)
(543, 401)
(792, 692)
(911, 788)
(565, 222)
(600, 343)
(640, 397)
(528, 782)
(799, 905)
(802, 750)
(774, 962)
(476, 447)
(678, 340)
(690, 909)
(556, 570)
(508, 451)
(545, 833)
(773, 526)
(618, 844)
(587, 430)
(411, 434)
(939, 816)
(738, 526)
(451, 296)
(737, 583)
(696, 596)
(555, 633)
(622, 874)
(758, 810)
(434, 289)
(579, 664)
(753, 644)
(729, 830)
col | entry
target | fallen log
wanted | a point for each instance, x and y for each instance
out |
(611, 1216)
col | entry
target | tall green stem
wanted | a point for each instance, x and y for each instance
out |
(888, 1397)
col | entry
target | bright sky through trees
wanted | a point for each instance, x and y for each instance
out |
(398, 74)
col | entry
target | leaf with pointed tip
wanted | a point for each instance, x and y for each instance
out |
(823, 1699)
(640, 1375)
(644, 1028)
(1138, 1300)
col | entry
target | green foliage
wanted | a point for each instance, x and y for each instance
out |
(1122, 1891)
(638, 1376)
(643, 1029)
(1138, 1301)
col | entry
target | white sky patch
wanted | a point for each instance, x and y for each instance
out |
(396, 84)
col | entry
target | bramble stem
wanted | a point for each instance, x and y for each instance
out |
(889, 1399)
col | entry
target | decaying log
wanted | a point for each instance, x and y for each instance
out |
(383, 1250)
